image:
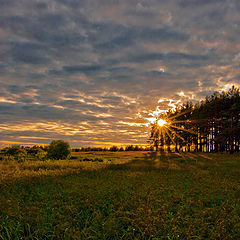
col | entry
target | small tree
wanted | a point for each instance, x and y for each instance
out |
(58, 149)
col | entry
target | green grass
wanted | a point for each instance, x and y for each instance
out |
(130, 196)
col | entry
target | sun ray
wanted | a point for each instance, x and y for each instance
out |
(181, 155)
(175, 144)
(186, 121)
(164, 135)
(183, 129)
(192, 156)
(176, 134)
(180, 114)
(167, 127)
(170, 137)
(161, 134)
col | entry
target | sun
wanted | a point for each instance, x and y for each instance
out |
(161, 122)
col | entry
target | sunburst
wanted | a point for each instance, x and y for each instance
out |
(168, 131)
(161, 122)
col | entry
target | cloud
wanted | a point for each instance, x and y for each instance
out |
(129, 36)
(73, 69)
(30, 53)
(169, 56)
(196, 3)
(83, 69)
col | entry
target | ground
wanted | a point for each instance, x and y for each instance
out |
(122, 195)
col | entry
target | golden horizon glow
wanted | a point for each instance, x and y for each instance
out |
(91, 144)
(161, 122)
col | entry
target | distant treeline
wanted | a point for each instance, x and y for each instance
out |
(58, 149)
(114, 149)
(213, 125)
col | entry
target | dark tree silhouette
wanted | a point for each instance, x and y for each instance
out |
(212, 125)
(58, 149)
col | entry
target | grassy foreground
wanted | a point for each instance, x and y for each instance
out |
(125, 195)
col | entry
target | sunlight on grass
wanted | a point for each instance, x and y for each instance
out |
(10, 170)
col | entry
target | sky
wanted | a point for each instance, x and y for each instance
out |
(95, 72)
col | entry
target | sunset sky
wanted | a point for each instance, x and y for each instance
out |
(92, 72)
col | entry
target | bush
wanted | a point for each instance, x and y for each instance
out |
(58, 149)
(15, 153)
(37, 152)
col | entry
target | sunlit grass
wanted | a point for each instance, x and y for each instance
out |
(10, 170)
(136, 195)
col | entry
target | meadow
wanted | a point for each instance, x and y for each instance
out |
(122, 195)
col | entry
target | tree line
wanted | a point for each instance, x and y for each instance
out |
(212, 125)
(56, 150)
(114, 149)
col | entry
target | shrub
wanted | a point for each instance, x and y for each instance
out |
(40, 154)
(37, 152)
(15, 153)
(58, 149)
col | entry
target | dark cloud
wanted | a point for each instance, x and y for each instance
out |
(130, 36)
(30, 53)
(170, 56)
(196, 3)
(74, 69)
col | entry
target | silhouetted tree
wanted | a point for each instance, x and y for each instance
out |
(58, 149)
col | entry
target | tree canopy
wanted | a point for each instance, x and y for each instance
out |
(58, 149)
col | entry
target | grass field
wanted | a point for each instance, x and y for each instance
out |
(123, 195)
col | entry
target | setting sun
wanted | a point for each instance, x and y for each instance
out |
(161, 122)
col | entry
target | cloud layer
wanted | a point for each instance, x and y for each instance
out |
(91, 71)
